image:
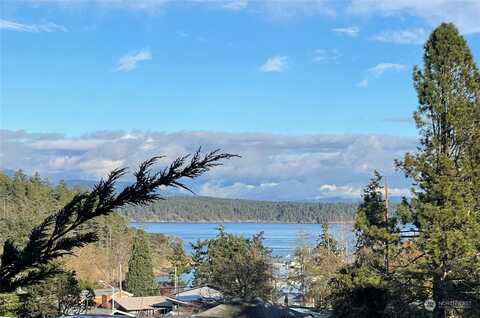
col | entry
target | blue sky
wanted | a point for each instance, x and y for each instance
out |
(283, 69)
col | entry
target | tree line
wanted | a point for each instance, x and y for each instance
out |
(207, 209)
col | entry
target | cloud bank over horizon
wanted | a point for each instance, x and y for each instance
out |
(272, 167)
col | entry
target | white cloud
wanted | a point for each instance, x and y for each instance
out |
(100, 167)
(139, 5)
(284, 10)
(269, 184)
(142, 6)
(212, 189)
(352, 192)
(236, 5)
(129, 62)
(67, 144)
(345, 191)
(272, 167)
(379, 69)
(272, 9)
(408, 36)
(326, 55)
(363, 83)
(350, 31)
(464, 13)
(274, 64)
(35, 28)
(62, 162)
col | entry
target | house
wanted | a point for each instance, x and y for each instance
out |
(143, 306)
(195, 299)
(104, 312)
(103, 296)
(191, 300)
(258, 309)
(197, 296)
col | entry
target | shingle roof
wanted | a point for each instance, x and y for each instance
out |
(222, 311)
(196, 297)
(139, 303)
(200, 292)
(258, 310)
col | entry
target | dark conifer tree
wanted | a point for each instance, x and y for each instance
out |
(445, 170)
(364, 288)
(326, 240)
(375, 228)
(140, 280)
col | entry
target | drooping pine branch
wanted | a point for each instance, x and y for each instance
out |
(59, 234)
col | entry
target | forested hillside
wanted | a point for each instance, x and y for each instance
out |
(206, 209)
(26, 200)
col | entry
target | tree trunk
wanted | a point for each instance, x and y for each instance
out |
(439, 297)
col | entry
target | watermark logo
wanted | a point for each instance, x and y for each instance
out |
(458, 304)
(429, 304)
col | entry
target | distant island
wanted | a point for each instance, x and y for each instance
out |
(198, 209)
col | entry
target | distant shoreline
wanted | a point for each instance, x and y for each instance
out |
(214, 210)
(236, 222)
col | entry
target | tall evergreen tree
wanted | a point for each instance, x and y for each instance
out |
(445, 205)
(363, 289)
(325, 261)
(140, 280)
(375, 228)
(326, 240)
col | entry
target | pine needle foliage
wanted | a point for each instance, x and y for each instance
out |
(445, 202)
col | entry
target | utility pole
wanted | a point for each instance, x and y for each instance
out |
(177, 313)
(120, 278)
(175, 280)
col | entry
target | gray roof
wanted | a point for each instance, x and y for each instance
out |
(259, 309)
(139, 303)
(198, 294)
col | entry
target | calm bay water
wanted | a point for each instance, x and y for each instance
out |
(281, 238)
